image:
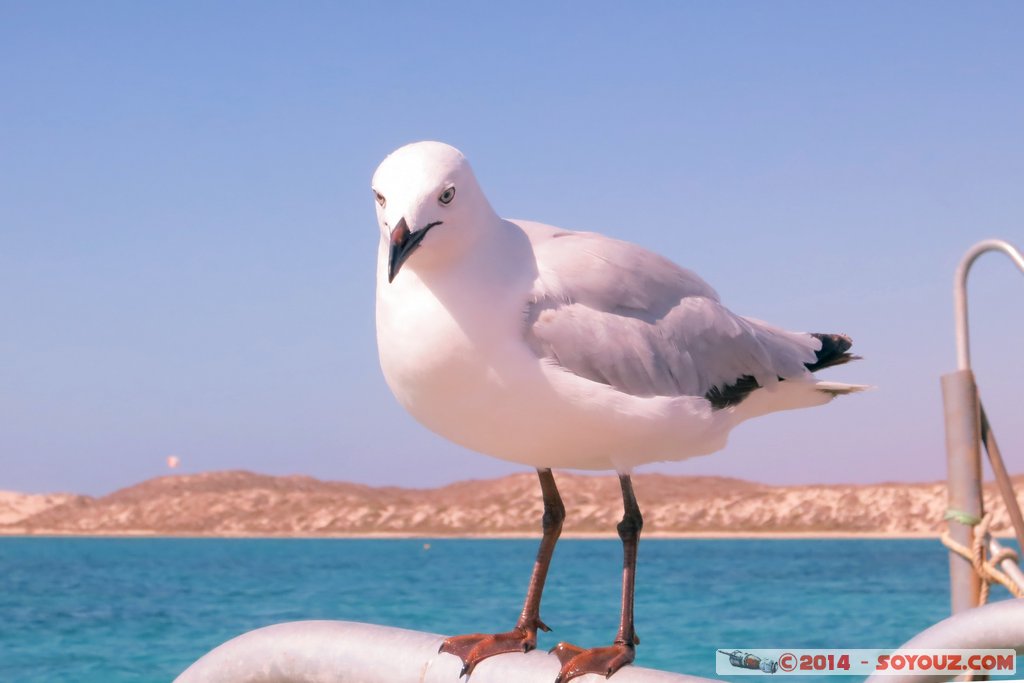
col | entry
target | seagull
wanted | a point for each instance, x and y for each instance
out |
(561, 349)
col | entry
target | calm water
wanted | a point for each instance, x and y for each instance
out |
(113, 610)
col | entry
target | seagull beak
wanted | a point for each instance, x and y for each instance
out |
(403, 243)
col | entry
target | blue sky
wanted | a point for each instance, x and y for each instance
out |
(187, 235)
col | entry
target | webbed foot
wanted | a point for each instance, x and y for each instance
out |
(476, 647)
(599, 660)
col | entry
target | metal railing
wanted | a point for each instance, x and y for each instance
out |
(967, 429)
(345, 651)
(998, 626)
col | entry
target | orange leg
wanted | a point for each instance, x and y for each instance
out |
(607, 660)
(476, 647)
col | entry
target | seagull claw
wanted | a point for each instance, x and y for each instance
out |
(603, 661)
(565, 652)
(476, 647)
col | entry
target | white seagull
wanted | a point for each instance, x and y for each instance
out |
(555, 348)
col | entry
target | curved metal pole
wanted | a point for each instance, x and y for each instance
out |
(963, 342)
(997, 626)
(345, 651)
(966, 429)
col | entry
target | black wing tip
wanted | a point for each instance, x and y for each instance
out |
(731, 394)
(835, 350)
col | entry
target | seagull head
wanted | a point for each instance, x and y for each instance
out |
(428, 203)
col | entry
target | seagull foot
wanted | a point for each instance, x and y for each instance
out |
(476, 647)
(599, 660)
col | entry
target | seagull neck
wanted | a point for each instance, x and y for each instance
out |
(497, 256)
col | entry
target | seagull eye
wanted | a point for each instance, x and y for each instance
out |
(380, 199)
(447, 196)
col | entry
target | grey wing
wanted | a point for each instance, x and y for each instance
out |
(618, 314)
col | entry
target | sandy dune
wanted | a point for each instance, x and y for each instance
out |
(243, 503)
(15, 506)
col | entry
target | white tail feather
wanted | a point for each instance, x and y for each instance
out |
(838, 389)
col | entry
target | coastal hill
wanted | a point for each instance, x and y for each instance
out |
(15, 507)
(238, 503)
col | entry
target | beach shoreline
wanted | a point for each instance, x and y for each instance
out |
(666, 535)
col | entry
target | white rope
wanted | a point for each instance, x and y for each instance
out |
(986, 567)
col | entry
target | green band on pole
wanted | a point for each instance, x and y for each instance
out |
(962, 517)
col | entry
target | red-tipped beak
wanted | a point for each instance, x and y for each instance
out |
(403, 243)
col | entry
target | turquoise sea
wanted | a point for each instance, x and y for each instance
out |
(86, 610)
